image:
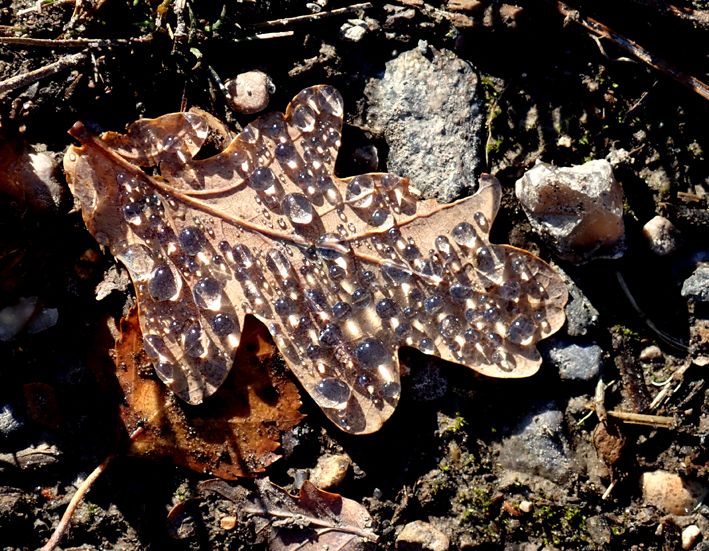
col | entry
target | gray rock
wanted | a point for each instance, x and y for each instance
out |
(696, 286)
(581, 315)
(14, 318)
(538, 446)
(576, 361)
(578, 210)
(427, 108)
(9, 422)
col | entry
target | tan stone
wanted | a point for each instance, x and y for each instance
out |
(669, 493)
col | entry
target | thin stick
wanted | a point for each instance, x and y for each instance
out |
(284, 21)
(635, 49)
(74, 503)
(659, 421)
(72, 42)
(84, 487)
(667, 388)
(19, 81)
(264, 36)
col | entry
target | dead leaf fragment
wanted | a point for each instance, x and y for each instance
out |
(312, 521)
(236, 433)
(343, 271)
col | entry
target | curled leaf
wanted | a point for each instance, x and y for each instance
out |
(311, 521)
(343, 271)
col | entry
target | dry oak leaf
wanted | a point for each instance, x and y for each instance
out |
(235, 434)
(312, 521)
(343, 271)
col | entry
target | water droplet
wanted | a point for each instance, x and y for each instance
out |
(165, 371)
(243, 257)
(223, 325)
(491, 313)
(484, 260)
(285, 307)
(341, 309)
(332, 393)
(389, 181)
(379, 216)
(367, 277)
(391, 391)
(426, 345)
(509, 290)
(461, 292)
(521, 330)
(192, 340)
(371, 353)
(480, 220)
(449, 327)
(279, 265)
(361, 298)
(330, 336)
(273, 125)
(154, 346)
(313, 351)
(317, 300)
(132, 212)
(335, 272)
(208, 293)
(471, 335)
(432, 304)
(396, 275)
(443, 246)
(329, 101)
(360, 192)
(138, 260)
(464, 234)
(386, 308)
(163, 284)
(470, 315)
(191, 240)
(286, 153)
(303, 118)
(411, 252)
(262, 179)
(297, 208)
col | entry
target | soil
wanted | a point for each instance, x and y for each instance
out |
(550, 92)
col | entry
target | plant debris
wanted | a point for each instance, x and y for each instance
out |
(342, 271)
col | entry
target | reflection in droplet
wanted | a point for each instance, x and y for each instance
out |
(262, 179)
(303, 118)
(331, 335)
(371, 353)
(223, 324)
(360, 192)
(464, 234)
(521, 330)
(191, 240)
(163, 284)
(192, 341)
(332, 393)
(208, 293)
(450, 327)
(297, 208)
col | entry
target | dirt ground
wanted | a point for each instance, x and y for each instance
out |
(549, 91)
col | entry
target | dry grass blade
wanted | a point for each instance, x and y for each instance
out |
(342, 271)
(313, 520)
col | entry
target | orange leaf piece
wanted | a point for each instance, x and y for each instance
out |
(235, 434)
(343, 271)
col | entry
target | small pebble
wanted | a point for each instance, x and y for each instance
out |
(662, 236)
(9, 422)
(690, 535)
(249, 92)
(421, 536)
(651, 354)
(353, 30)
(526, 506)
(669, 493)
(227, 523)
(330, 471)
(14, 318)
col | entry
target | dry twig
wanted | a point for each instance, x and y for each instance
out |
(25, 79)
(601, 30)
(284, 21)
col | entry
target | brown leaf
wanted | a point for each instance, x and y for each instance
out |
(313, 520)
(342, 271)
(236, 433)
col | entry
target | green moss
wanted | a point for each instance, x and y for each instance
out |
(625, 331)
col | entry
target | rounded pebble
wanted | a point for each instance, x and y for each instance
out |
(669, 493)
(330, 471)
(662, 236)
(422, 536)
(249, 92)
